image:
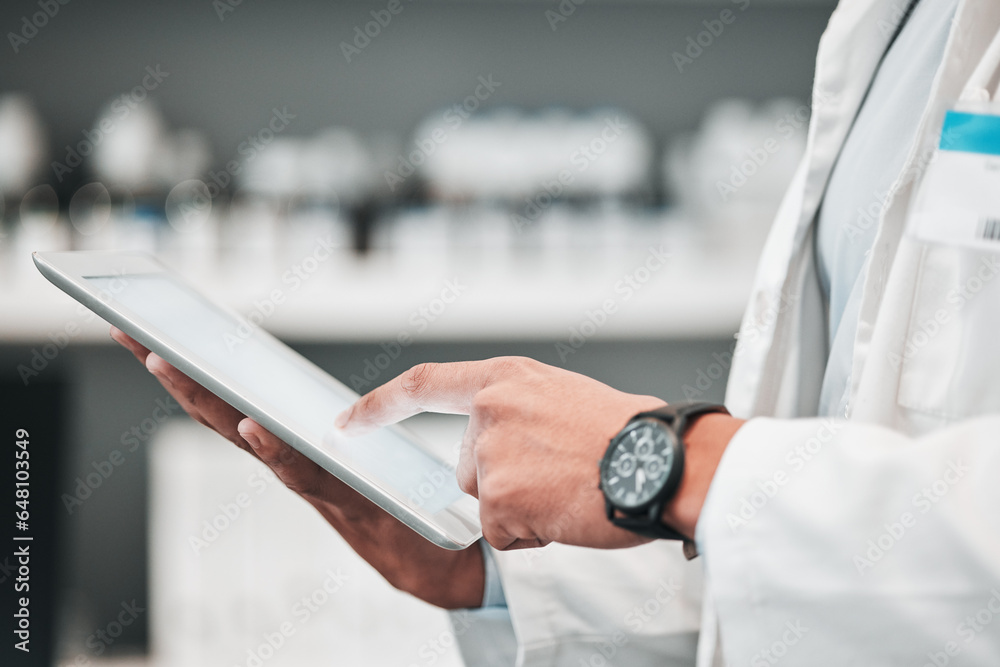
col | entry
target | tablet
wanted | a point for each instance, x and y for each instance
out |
(268, 381)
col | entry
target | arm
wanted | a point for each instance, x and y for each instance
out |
(589, 601)
(535, 436)
(856, 531)
(538, 432)
(840, 541)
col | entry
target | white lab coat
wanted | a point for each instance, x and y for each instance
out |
(873, 539)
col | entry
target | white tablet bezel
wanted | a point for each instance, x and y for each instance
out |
(455, 527)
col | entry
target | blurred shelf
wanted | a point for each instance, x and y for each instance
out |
(695, 294)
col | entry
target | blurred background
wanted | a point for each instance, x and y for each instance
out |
(334, 170)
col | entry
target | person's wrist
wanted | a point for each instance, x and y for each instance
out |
(705, 441)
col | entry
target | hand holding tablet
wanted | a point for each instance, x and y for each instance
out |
(258, 376)
(530, 453)
(449, 579)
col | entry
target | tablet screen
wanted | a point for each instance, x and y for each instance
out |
(262, 370)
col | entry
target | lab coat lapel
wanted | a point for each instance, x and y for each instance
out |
(764, 378)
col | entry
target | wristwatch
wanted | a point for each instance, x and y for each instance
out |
(643, 466)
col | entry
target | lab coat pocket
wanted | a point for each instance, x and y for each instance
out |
(950, 361)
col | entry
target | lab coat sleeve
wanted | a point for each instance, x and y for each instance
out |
(637, 607)
(492, 587)
(855, 543)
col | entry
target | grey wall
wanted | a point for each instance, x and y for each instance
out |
(225, 76)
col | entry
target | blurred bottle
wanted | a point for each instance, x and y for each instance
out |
(554, 169)
(22, 144)
(22, 155)
(732, 173)
(138, 163)
(300, 194)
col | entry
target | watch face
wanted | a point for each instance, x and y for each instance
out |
(637, 466)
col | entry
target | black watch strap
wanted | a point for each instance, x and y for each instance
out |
(678, 417)
(657, 530)
(647, 527)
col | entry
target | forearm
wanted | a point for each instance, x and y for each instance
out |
(704, 442)
(859, 531)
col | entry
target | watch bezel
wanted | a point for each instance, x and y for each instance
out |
(670, 482)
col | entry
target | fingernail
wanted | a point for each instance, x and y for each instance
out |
(342, 419)
(251, 439)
